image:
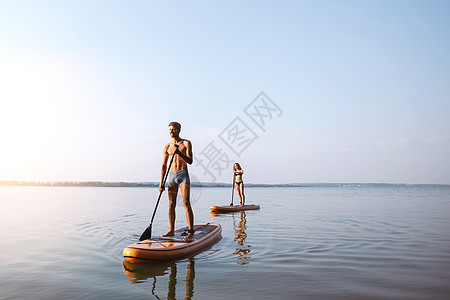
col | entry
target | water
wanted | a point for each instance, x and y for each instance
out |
(304, 243)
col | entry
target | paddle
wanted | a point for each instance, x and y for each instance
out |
(232, 192)
(148, 231)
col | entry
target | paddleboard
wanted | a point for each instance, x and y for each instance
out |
(234, 207)
(170, 248)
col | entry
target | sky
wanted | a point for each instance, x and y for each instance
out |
(295, 91)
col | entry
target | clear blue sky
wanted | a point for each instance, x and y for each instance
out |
(87, 88)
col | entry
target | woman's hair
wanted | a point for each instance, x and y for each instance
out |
(237, 165)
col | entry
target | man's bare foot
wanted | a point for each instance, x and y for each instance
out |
(170, 233)
(189, 237)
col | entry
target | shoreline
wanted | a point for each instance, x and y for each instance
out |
(206, 184)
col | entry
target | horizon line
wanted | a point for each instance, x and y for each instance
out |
(96, 183)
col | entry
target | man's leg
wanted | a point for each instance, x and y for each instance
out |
(173, 191)
(186, 193)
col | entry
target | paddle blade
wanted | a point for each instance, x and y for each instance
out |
(147, 233)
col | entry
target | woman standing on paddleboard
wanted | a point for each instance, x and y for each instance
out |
(237, 170)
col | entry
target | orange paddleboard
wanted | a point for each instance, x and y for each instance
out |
(234, 207)
(170, 248)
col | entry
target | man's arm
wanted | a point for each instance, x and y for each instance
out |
(163, 168)
(188, 157)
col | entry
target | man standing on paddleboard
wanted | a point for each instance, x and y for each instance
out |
(180, 150)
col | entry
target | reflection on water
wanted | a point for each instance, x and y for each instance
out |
(239, 225)
(242, 250)
(67, 243)
(141, 272)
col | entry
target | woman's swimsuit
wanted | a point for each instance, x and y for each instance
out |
(238, 182)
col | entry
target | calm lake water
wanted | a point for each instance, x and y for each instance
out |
(304, 243)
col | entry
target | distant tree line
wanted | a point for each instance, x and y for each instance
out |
(81, 183)
(202, 184)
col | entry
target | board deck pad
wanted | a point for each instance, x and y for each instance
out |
(179, 234)
(161, 248)
(234, 207)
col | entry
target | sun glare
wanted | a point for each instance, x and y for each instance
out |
(28, 114)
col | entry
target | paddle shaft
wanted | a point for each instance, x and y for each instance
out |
(232, 191)
(148, 231)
